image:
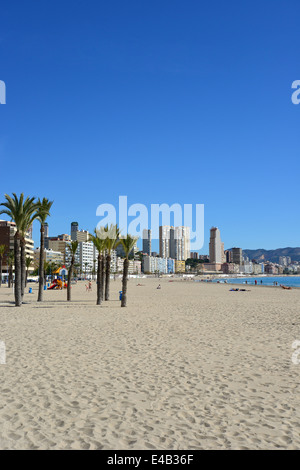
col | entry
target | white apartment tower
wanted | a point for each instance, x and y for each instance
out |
(164, 241)
(174, 242)
(180, 243)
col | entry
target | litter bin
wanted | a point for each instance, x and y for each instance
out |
(30, 290)
(45, 287)
(120, 296)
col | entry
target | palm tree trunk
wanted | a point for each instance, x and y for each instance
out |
(9, 277)
(18, 279)
(41, 268)
(0, 271)
(70, 274)
(26, 277)
(99, 293)
(107, 277)
(23, 266)
(102, 276)
(124, 282)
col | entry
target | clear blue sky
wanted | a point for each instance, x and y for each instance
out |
(162, 101)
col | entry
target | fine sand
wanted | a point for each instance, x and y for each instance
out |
(190, 366)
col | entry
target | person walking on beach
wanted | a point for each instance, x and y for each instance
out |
(255, 282)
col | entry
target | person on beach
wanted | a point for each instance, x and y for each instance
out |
(158, 287)
(255, 282)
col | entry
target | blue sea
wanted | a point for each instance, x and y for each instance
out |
(291, 281)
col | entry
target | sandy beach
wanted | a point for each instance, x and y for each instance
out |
(190, 366)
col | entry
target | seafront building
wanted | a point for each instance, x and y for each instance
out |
(164, 241)
(50, 256)
(154, 264)
(216, 247)
(237, 256)
(174, 242)
(179, 266)
(7, 233)
(79, 235)
(58, 243)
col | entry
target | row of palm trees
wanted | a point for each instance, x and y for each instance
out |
(105, 239)
(23, 212)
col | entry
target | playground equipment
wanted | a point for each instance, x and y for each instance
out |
(57, 284)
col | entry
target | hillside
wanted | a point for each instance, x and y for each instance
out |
(273, 255)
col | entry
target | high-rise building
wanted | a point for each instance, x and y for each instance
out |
(50, 256)
(147, 241)
(174, 242)
(237, 256)
(216, 247)
(79, 235)
(228, 256)
(74, 230)
(58, 243)
(164, 241)
(180, 243)
(46, 228)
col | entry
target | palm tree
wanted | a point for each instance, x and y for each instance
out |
(43, 211)
(18, 210)
(128, 244)
(29, 215)
(72, 249)
(28, 263)
(99, 244)
(2, 251)
(10, 262)
(111, 235)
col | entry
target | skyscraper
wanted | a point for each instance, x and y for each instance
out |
(46, 227)
(174, 242)
(216, 247)
(180, 243)
(164, 241)
(74, 230)
(147, 241)
(237, 256)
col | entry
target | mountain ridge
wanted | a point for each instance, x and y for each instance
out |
(261, 254)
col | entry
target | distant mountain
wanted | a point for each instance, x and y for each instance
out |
(273, 255)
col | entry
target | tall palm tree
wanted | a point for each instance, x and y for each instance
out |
(28, 263)
(18, 210)
(2, 251)
(43, 211)
(72, 250)
(111, 236)
(10, 262)
(99, 244)
(29, 215)
(128, 244)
